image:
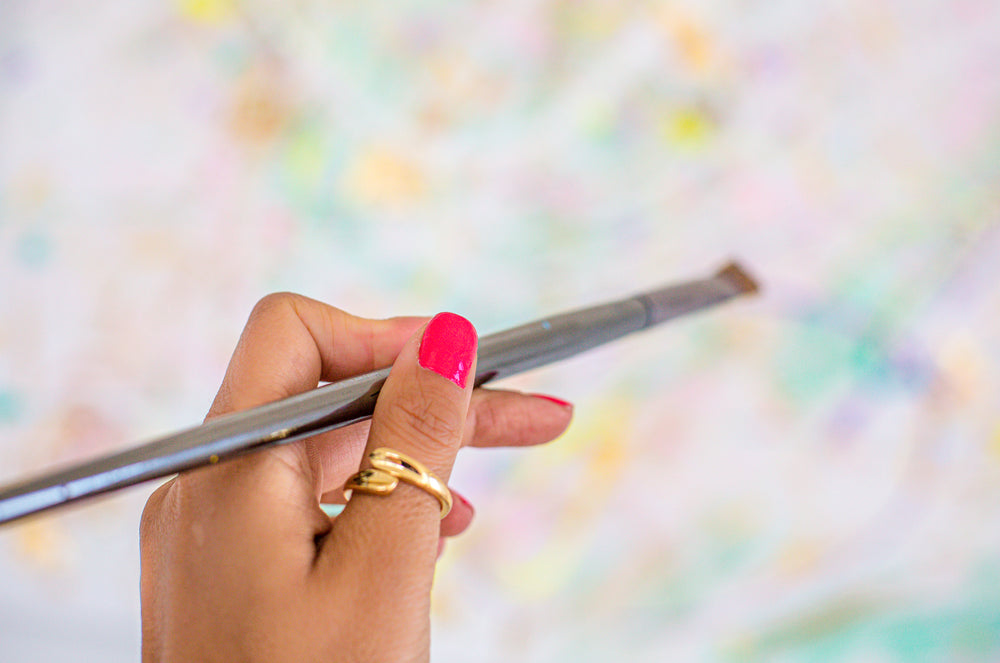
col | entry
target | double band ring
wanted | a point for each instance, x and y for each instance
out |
(389, 467)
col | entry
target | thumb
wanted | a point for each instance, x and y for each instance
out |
(389, 543)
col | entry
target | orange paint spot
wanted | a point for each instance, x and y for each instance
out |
(693, 42)
(259, 113)
(798, 559)
(962, 362)
(381, 176)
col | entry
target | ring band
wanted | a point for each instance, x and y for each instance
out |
(389, 467)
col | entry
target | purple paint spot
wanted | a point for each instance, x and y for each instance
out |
(15, 66)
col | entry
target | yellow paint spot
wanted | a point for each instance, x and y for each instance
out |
(546, 574)
(583, 20)
(798, 558)
(688, 128)
(611, 455)
(207, 11)
(43, 545)
(740, 646)
(30, 189)
(994, 446)
(380, 176)
(213, 459)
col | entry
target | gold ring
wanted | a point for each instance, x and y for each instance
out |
(389, 467)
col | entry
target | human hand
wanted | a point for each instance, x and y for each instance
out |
(240, 563)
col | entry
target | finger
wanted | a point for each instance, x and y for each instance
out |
(421, 412)
(459, 518)
(497, 418)
(291, 342)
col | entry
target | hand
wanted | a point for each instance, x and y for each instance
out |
(240, 563)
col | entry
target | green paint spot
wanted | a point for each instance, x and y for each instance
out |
(305, 157)
(979, 633)
(966, 629)
(812, 361)
(305, 173)
(600, 126)
(918, 638)
(33, 249)
(879, 293)
(10, 407)
(868, 361)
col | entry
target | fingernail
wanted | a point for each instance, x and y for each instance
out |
(461, 498)
(448, 347)
(552, 399)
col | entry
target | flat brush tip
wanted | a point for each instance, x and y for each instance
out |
(736, 276)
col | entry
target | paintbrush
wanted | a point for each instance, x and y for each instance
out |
(349, 401)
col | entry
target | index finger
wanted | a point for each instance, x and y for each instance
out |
(291, 342)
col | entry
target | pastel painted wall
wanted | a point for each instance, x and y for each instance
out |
(810, 476)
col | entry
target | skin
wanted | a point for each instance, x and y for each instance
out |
(239, 563)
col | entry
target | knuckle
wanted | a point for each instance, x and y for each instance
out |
(492, 417)
(488, 418)
(426, 420)
(275, 303)
(499, 420)
(153, 514)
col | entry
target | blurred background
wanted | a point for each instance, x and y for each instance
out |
(813, 475)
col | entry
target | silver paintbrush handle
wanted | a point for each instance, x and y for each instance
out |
(349, 401)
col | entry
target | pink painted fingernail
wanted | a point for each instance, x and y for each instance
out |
(448, 347)
(553, 399)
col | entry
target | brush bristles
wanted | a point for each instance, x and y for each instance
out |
(737, 277)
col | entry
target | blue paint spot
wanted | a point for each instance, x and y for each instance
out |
(33, 249)
(10, 407)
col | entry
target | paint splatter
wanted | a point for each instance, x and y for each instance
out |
(208, 11)
(33, 249)
(380, 176)
(687, 128)
(748, 477)
(259, 111)
(994, 443)
(44, 546)
(693, 41)
(11, 406)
